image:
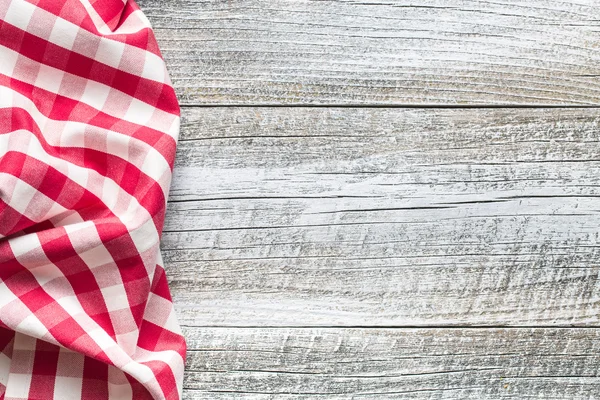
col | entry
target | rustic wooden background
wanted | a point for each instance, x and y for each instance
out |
(386, 199)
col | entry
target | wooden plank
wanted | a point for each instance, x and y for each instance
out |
(385, 217)
(230, 363)
(380, 52)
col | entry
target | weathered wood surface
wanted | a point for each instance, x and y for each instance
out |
(414, 253)
(380, 52)
(230, 363)
(385, 217)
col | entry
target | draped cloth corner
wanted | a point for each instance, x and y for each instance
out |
(88, 130)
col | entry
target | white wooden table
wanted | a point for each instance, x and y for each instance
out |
(386, 199)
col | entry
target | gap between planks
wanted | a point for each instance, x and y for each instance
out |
(398, 327)
(408, 106)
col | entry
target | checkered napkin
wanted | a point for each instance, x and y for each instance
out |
(88, 129)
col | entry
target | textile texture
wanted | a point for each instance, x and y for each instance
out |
(88, 129)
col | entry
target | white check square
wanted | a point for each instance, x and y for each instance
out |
(95, 94)
(110, 52)
(67, 388)
(19, 14)
(63, 33)
(115, 297)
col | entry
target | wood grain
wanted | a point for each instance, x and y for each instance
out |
(380, 52)
(413, 253)
(385, 217)
(230, 363)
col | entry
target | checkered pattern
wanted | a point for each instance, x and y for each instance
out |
(88, 129)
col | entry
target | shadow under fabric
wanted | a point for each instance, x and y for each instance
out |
(88, 129)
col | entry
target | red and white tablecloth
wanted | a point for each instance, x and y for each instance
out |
(88, 129)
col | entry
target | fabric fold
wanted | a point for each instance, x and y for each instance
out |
(88, 129)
